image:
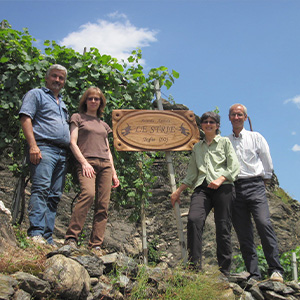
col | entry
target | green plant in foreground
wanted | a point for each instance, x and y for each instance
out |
(195, 286)
(182, 284)
(21, 236)
(285, 260)
(153, 252)
(139, 290)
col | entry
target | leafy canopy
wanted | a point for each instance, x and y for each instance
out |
(124, 84)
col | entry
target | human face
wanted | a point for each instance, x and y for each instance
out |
(92, 103)
(55, 81)
(209, 126)
(237, 118)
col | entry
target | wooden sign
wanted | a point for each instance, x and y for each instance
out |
(154, 130)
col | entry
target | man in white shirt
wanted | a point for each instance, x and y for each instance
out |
(256, 169)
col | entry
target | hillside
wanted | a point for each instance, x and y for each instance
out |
(122, 235)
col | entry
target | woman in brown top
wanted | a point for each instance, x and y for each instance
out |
(94, 166)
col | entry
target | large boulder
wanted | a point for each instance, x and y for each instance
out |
(69, 279)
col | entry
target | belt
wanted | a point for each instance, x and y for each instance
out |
(250, 179)
(52, 143)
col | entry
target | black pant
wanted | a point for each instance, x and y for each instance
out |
(251, 200)
(202, 201)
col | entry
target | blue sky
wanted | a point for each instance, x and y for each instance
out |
(225, 51)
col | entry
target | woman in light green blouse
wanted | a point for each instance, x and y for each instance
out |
(212, 169)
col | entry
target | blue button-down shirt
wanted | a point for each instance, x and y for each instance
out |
(49, 119)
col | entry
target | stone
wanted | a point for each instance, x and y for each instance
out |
(33, 285)
(21, 295)
(7, 285)
(69, 279)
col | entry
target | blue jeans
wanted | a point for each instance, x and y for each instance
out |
(47, 178)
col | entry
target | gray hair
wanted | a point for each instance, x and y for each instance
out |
(213, 115)
(238, 104)
(57, 67)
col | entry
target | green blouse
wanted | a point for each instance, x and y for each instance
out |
(212, 161)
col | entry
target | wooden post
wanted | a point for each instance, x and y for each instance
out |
(182, 242)
(143, 221)
(294, 267)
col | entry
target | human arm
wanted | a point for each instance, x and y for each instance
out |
(34, 151)
(175, 197)
(87, 170)
(265, 156)
(215, 184)
(115, 178)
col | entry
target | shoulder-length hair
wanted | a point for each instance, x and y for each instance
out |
(83, 99)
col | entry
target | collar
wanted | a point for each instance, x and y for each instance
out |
(48, 91)
(240, 135)
(216, 138)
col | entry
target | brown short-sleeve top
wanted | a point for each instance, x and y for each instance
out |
(92, 134)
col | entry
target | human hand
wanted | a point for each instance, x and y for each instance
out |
(115, 181)
(87, 170)
(215, 184)
(35, 155)
(175, 197)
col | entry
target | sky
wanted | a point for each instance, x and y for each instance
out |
(226, 52)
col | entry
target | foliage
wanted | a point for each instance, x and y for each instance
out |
(135, 166)
(285, 260)
(125, 85)
(139, 290)
(21, 237)
(283, 195)
(153, 252)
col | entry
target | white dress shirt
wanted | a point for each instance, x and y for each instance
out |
(253, 154)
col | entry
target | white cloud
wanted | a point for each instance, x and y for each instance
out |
(296, 148)
(116, 37)
(294, 133)
(295, 100)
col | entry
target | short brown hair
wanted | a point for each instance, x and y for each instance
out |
(82, 101)
(214, 116)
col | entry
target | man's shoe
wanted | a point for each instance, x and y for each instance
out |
(38, 239)
(98, 251)
(72, 243)
(276, 276)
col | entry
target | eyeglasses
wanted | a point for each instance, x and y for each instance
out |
(93, 98)
(208, 122)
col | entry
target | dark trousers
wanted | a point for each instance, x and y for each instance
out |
(202, 201)
(251, 200)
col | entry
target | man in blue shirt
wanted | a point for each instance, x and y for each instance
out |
(44, 120)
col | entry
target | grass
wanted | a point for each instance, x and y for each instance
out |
(284, 196)
(178, 284)
(181, 284)
(26, 257)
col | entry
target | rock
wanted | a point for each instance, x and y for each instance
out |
(7, 285)
(7, 235)
(69, 279)
(21, 295)
(33, 285)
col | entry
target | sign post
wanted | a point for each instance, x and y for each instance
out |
(157, 130)
(182, 243)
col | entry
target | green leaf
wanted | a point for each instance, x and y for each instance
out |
(175, 74)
